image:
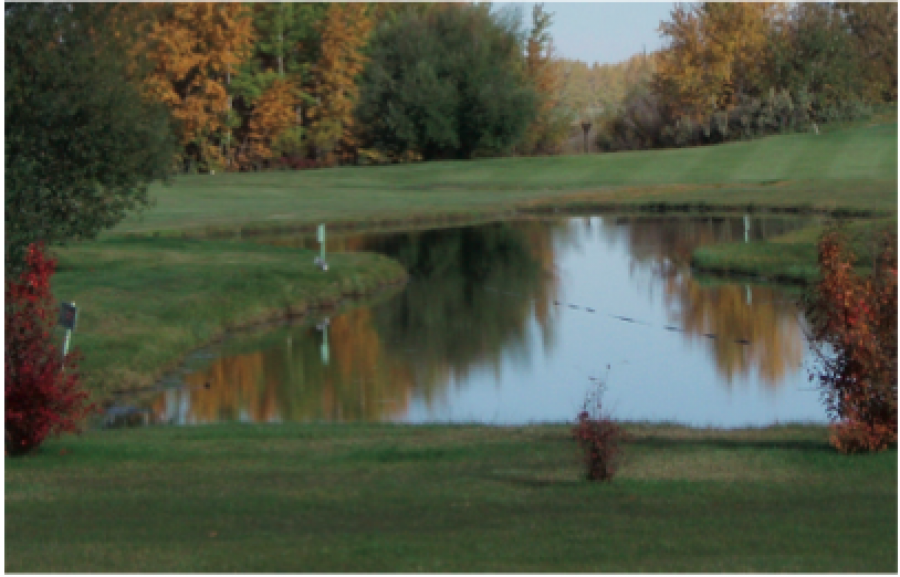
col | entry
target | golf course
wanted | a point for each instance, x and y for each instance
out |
(359, 497)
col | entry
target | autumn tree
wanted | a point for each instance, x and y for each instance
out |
(195, 48)
(854, 329)
(343, 32)
(286, 44)
(551, 123)
(716, 53)
(274, 113)
(82, 144)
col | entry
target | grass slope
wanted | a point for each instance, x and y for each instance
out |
(854, 168)
(380, 498)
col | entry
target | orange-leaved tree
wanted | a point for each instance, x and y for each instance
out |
(344, 32)
(272, 115)
(854, 329)
(194, 49)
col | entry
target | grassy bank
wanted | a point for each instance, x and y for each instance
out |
(792, 257)
(374, 498)
(144, 303)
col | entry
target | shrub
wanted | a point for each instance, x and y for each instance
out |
(854, 331)
(600, 439)
(42, 398)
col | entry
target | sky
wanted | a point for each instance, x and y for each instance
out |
(603, 32)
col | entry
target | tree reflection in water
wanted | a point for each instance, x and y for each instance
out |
(438, 329)
(763, 316)
(479, 299)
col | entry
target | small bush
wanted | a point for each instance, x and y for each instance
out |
(42, 399)
(600, 439)
(854, 330)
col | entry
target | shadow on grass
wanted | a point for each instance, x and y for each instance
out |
(736, 444)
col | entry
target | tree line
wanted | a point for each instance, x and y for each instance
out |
(102, 99)
(738, 70)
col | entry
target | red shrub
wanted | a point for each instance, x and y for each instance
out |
(41, 398)
(854, 330)
(600, 438)
(298, 163)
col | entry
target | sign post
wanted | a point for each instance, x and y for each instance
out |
(320, 260)
(68, 317)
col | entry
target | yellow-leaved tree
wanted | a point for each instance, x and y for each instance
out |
(717, 52)
(194, 49)
(343, 31)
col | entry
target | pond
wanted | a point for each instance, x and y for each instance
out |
(515, 323)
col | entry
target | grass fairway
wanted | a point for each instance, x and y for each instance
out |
(852, 169)
(382, 498)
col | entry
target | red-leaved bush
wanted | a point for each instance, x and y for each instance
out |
(854, 330)
(600, 439)
(42, 398)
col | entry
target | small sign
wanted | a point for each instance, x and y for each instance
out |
(320, 236)
(68, 315)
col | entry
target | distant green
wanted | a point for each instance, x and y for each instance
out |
(854, 168)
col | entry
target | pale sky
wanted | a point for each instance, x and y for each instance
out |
(604, 32)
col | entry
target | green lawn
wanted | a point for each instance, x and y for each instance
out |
(382, 498)
(850, 169)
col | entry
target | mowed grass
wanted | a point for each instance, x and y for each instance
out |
(383, 498)
(145, 303)
(855, 169)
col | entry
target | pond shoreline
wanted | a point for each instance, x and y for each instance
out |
(149, 380)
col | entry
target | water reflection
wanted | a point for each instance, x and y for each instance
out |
(476, 335)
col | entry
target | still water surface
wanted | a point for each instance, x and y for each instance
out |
(514, 323)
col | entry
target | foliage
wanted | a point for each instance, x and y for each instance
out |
(82, 144)
(814, 55)
(447, 83)
(194, 49)
(344, 31)
(599, 437)
(854, 328)
(272, 116)
(717, 53)
(551, 124)
(41, 398)
(873, 26)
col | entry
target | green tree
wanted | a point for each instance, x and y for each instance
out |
(814, 55)
(449, 82)
(82, 143)
(873, 25)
